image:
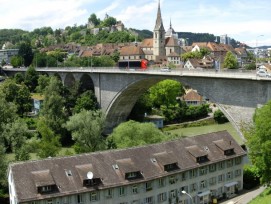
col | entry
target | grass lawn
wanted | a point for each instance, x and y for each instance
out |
(193, 131)
(63, 152)
(263, 198)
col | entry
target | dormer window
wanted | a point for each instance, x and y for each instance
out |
(133, 175)
(47, 189)
(202, 159)
(171, 167)
(92, 182)
(199, 154)
(228, 152)
(225, 146)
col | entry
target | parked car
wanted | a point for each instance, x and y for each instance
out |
(262, 73)
(165, 69)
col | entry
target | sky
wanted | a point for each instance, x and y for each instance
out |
(247, 21)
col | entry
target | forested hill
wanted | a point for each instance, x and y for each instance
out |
(46, 36)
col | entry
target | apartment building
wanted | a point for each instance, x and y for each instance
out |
(205, 167)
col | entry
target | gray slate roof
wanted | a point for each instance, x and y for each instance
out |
(68, 172)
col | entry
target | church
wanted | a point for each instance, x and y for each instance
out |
(163, 49)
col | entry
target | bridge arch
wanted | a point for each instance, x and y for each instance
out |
(86, 83)
(69, 80)
(124, 101)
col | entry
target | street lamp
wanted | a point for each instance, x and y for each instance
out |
(257, 50)
(184, 192)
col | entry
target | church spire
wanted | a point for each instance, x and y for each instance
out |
(159, 21)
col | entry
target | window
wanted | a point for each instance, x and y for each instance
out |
(172, 179)
(184, 176)
(148, 200)
(237, 172)
(212, 181)
(173, 193)
(94, 196)
(134, 189)
(221, 178)
(79, 198)
(193, 173)
(238, 160)
(121, 191)
(230, 163)
(203, 184)
(50, 201)
(148, 186)
(202, 171)
(193, 187)
(162, 197)
(212, 168)
(161, 182)
(45, 189)
(109, 193)
(221, 165)
(229, 175)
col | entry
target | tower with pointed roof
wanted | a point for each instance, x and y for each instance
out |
(159, 37)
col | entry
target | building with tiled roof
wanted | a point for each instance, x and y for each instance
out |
(191, 97)
(199, 63)
(160, 48)
(208, 166)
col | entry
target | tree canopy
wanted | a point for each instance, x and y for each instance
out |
(87, 127)
(259, 142)
(165, 92)
(230, 61)
(132, 133)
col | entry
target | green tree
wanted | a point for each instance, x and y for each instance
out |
(19, 94)
(31, 78)
(3, 168)
(259, 142)
(19, 78)
(132, 133)
(93, 18)
(49, 144)
(191, 55)
(16, 134)
(219, 117)
(16, 61)
(165, 93)
(25, 51)
(230, 61)
(23, 100)
(53, 108)
(87, 101)
(87, 128)
(43, 82)
(7, 113)
(109, 22)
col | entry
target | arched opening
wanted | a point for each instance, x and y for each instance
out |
(69, 80)
(86, 83)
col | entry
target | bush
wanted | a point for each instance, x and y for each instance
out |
(219, 117)
(251, 177)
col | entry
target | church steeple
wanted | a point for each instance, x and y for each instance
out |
(159, 21)
(159, 50)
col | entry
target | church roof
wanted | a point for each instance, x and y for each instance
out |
(170, 32)
(171, 42)
(148, 42)
(159, 21)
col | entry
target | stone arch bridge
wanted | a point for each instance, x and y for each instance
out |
(237, 93)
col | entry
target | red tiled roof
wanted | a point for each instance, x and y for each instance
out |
(131, 50)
